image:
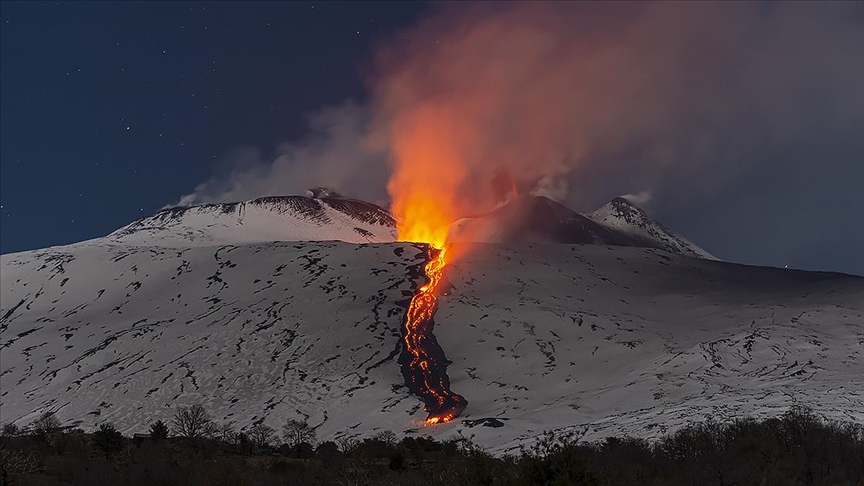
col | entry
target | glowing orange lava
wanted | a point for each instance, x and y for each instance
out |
(426, 372)
(423, 186)
(421, 309)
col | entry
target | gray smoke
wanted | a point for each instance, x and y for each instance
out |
(735, 117)
(337, 153)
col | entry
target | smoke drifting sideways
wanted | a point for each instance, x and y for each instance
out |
(337, 152)
(579, 101)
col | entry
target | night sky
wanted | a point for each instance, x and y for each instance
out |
(110, 111)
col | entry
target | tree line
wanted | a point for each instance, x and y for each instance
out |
(797, 448)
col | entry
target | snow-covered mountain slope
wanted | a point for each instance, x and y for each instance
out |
(597, 339)
(535, 219)
(327, 216)
(278, 218)
(623, 216)
(609, 340)
(111, 332)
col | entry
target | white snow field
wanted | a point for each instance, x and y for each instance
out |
(623, 216)
(596, 340)
(277, 218)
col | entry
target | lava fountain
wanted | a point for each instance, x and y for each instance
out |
(423, 186)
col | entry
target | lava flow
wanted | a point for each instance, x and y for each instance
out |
(423, 187)
(424, 365)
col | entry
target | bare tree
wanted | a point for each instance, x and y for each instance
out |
(46, 425)
(354, 474)
(387, 436)
(295, 432)
(16, 465)
(192, 422)
(346, 444)
(210, 430)
(261, 435)
(227, 434)
(10, 430)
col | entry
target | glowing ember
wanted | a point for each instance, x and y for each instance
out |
(424, 365)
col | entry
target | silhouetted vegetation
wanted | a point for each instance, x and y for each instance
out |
(192, 422)
(158, 430)
(107, 440)
(261, 435)
(46, 426)
(798, 448)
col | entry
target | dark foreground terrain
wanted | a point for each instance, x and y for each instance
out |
(798, 448)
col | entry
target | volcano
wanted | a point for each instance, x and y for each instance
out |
(221, 306)
(536, 219)
(278, 218)
(625, 217)
(328, 216)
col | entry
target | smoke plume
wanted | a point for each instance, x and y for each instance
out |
(338, 152)
(583, 101)
(641, 199)
(575, 97)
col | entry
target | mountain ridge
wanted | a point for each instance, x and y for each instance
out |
(272, 218)
(623, 216)
(328, 216)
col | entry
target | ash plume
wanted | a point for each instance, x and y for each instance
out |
(576, 96)
(337, 153)
(692, 102)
